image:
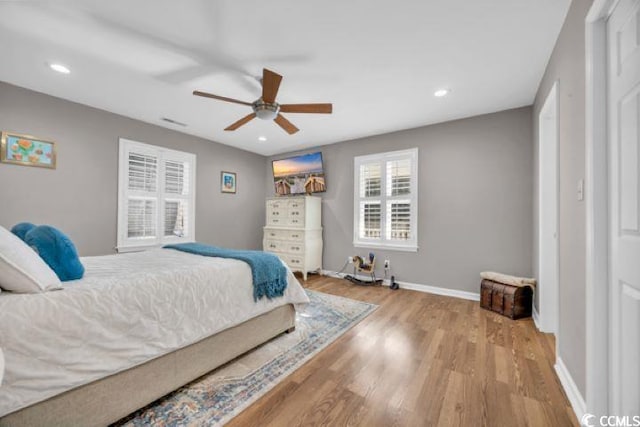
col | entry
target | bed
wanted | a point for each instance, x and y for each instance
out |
(134, 328)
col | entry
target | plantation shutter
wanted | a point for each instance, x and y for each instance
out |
(142, 185)
(370, 209)
(176, 179)
(385, 205)
(156, 196)
(176, 198)
(370, 220)
(399, 220)
(398, 225)
(398, 177)
(370, 180)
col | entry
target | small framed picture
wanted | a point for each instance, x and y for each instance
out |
(27, 150)
(228, 182)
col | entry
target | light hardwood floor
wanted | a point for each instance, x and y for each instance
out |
(420, 360)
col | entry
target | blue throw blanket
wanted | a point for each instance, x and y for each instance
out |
(269, 273)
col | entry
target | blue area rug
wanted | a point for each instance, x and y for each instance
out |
(217, 397)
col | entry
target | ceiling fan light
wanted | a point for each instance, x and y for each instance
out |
(265, 110)
(266, 114)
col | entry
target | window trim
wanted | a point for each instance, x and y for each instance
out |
(125, 244)
(383, 158)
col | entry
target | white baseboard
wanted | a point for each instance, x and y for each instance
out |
(342, 276)
(440, 291)
(536, 317)
(417, 287)
(571, 389)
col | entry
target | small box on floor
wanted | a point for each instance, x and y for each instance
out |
(508, 300)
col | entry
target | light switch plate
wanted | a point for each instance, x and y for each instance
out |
(581, 189)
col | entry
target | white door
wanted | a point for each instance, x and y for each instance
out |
(623, 34)
(548, 214)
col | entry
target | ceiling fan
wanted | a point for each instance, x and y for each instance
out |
(266, 107)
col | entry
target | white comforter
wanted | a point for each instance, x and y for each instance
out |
(127, 310)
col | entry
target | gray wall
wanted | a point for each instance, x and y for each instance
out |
(80, 196)
(475, 195)
(567, 66)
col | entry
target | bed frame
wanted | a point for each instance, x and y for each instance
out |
(109, 399)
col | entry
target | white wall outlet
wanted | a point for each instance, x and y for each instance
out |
(349, 260)
(387, 264)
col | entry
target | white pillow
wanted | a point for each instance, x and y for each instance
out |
(21, 268)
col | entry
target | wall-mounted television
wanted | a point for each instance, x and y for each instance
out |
(299, 175)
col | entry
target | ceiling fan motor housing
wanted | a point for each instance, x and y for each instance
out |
(265, 110)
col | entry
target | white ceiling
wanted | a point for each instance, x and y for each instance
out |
(378, 62)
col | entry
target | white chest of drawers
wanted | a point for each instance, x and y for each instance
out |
(294, 232)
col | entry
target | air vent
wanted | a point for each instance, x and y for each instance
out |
(173, 122)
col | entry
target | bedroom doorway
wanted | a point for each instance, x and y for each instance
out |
(623, 87)
(613, 212)
(548, 276)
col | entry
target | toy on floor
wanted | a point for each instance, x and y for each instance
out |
(364, 266)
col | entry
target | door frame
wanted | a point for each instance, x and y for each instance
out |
(597, 198)
(549, 300)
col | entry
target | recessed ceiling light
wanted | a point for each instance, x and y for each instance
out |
(60, 68)
(262, 138)
(441, 92)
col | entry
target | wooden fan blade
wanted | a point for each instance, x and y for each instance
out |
(270, 85)
(307, 108)
(242, 121)
(286, 124)
(221, 98)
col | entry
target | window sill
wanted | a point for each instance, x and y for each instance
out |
(136, 248)
(143, 247)
(386, 246)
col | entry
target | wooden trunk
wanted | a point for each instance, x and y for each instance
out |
(511, 301)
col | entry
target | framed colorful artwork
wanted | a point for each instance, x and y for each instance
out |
(228, 182)
(27, 150)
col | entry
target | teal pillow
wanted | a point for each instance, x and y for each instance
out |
(57, 250)
(22, 229)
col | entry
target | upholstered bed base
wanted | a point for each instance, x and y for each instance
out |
(109, 399)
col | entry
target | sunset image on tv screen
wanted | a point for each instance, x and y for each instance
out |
(299, 175)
